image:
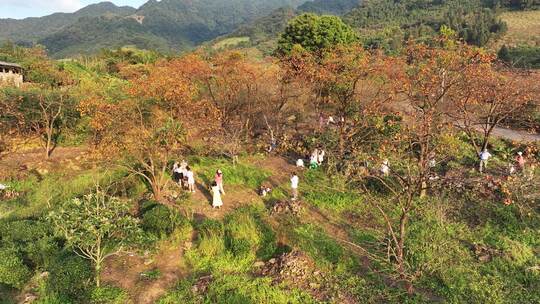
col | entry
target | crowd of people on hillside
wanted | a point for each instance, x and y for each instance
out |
(184, 176)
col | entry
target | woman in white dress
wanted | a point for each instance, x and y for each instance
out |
(216, 196)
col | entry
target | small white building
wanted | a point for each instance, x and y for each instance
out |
(10, 74)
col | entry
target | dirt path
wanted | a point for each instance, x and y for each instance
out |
(62, 158)
(127, 272)
(200, 202)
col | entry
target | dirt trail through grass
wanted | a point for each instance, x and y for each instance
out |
(33, 159)
(134, 273)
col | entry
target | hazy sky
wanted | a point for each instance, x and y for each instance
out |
(19, 9)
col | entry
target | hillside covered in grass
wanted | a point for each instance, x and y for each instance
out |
(327, 172)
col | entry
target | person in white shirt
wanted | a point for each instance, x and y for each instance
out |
(177, 173)
(294, 186)
(300, 163)
(320, 157)
(330, 120)
(385, 168)
(190, 179)
(216, 196)
(484, 157)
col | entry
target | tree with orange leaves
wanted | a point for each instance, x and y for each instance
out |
(347, 83)
(488, 96)
(425, 80)
(153, 121)
(242, 91)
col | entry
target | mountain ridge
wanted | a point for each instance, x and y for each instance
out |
(164, 25)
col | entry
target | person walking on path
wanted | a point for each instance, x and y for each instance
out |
(218, 178)
(190, 180)
(484, 157)
(216, 196)
(520, 160)
(295, 180)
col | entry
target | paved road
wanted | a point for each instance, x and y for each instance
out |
(514, 135)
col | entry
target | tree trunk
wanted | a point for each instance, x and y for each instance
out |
(98, 274)
(48, 145)
(401, 252)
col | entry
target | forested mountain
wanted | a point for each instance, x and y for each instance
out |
(30, 30)
(334, 7)
(162, 24)
(181, 24)
(391, 19)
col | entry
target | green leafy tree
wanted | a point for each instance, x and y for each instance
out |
(96, 226)
(315, 33)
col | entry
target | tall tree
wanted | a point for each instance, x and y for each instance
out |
(315, 33)
(153, 122)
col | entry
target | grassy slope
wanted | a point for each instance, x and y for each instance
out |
(523, 28)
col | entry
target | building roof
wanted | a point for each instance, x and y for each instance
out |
(8, 64)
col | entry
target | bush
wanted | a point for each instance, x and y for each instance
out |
(109, 295)
(161, 220)
(69, 276)
(523, 56)
(246, 232)
(13, 271)
(34, 239)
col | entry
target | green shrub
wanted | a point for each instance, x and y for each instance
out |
(109, 295)
(208, 226)
(233, 245)
(33, 238)
(70, 275)
(13, 271)
(53, 299)
(161, 220)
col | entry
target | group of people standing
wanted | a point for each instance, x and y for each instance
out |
(518, 165)
(184, 176)
(316, 159)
